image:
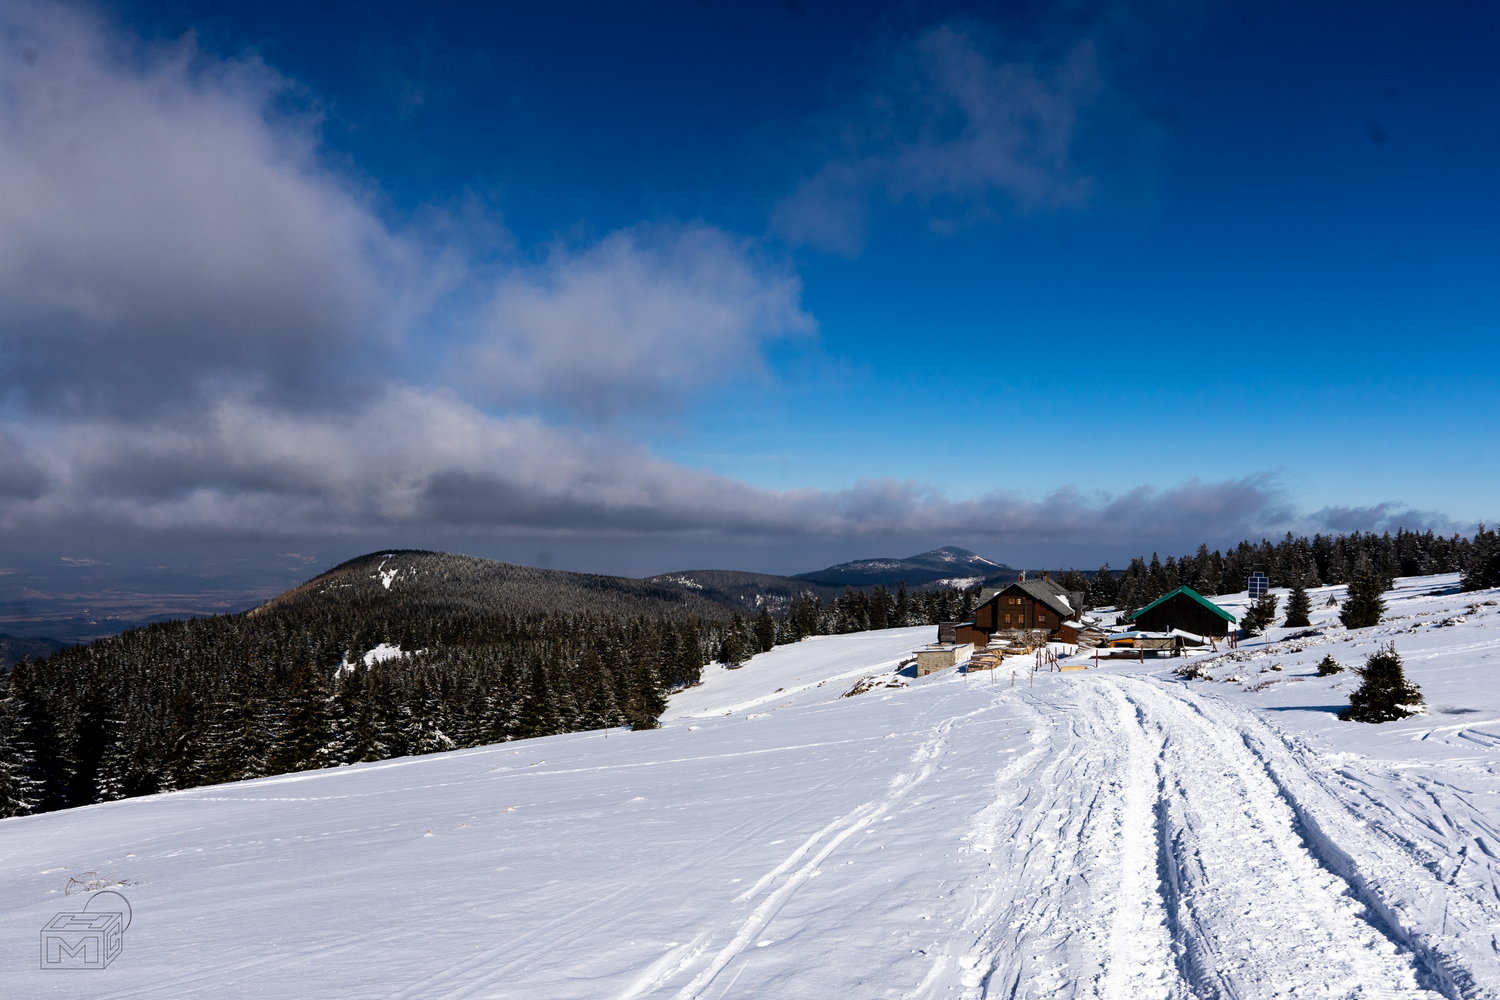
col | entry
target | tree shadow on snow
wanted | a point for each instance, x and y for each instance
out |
(1334, 709)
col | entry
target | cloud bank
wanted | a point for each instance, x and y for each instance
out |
(426, 459)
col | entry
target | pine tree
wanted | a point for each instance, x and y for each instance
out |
(503, 705)
(309, 739)
(1102, 588)
(596, 691)
(427, 721)
(179, 766)
(45, 767)
(968, 601)
(1385, 695)
(17, 797)
(1482, 568)
(1298, 604)
(903, 607)
(366, 737)
(113, 779)
(241, 735)
(566, 715)
(1363, 605)
(689, 656)
(1261, 616)
(86, 749)
(731, 650)
(647, 700)
(765, 629)
(1328, 666)
(880, 607)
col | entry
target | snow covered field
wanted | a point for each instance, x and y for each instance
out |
(1117, 832)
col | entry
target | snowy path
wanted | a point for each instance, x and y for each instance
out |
(1153, 843)
(1111, 834)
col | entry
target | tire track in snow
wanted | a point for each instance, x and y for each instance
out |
(1158, 843)
(1074, 907)
(1436, 899)
(1254, 909)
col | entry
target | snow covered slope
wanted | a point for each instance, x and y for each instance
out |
(1115, 833)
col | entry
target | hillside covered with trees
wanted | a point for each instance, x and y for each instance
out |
(386, 655)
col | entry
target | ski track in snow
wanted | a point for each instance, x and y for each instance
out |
(1165, 844)
(1112, 834)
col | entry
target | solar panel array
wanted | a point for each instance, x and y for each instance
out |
(1259, 584)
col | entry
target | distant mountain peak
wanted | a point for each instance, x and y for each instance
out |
(947, 566)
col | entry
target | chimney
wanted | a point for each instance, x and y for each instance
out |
(1047, 577)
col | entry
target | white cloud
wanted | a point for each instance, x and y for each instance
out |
(639, 321)
(167, 236)
(162, 229)
(953, 125)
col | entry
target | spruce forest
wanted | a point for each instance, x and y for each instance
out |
(495, 652)
(402, 653)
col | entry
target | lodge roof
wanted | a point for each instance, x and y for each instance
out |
(1189, 592)
(1066, 603)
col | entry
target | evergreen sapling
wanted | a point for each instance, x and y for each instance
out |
(1363, 606)
(1385, 694)
(1261, 616)
(1298, 604)
(1329, 666)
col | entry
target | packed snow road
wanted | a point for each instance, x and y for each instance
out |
(1112, 833)
(1154, 843)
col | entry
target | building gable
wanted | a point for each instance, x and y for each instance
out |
(1188, 592)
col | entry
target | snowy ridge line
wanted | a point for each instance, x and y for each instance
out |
(1234, 854)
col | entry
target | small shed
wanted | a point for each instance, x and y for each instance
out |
(941, 656)
(1185, 609)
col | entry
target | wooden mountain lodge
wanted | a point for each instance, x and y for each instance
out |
(1026, 605)
(1184, 609)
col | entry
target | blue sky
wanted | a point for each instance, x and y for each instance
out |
(635, 288)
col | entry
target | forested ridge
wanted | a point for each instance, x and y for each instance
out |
(492, 652)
